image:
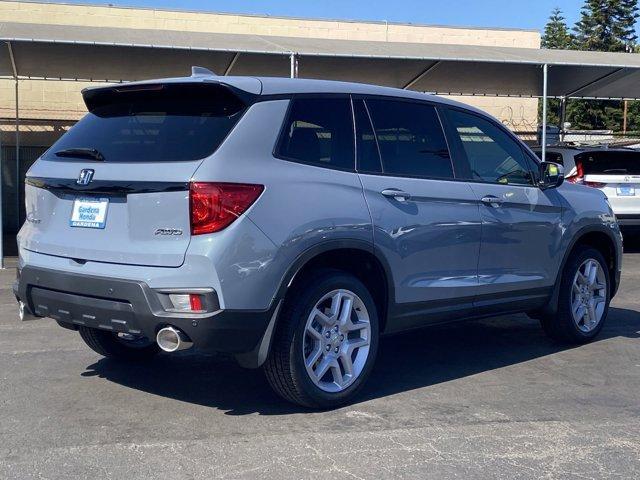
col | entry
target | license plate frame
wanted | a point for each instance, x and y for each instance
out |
(89, 212)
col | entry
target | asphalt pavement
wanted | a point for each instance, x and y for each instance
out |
(485, 399)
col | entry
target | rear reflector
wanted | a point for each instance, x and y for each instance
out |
(186, 302)
(595, 184)
(214, 206)
(195, 301)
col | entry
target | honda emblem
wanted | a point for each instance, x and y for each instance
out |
(85, 177)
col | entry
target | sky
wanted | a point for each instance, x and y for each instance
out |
(528, 14)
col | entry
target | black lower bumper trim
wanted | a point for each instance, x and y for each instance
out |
(130, 306)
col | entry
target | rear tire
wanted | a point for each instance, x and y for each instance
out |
(329, 323)
(583, 303)
(108, 344)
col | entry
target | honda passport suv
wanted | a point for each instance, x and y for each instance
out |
(291, 223)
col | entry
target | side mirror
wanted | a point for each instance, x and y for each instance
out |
(551, 175)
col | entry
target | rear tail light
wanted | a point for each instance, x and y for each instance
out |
(214, 206)
(578, 177)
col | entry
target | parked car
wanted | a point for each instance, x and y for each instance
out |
(293, 222)
(614, 171)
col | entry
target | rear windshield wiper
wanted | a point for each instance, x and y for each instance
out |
(91, 153)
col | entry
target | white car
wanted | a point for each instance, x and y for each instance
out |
(615, 171)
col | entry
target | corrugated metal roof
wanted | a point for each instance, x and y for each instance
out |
(89, 53)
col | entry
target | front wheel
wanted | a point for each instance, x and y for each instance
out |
(583, 302)
(326, 341)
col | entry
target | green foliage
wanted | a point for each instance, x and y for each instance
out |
(604, 25)
(556, 32)
(607, 25)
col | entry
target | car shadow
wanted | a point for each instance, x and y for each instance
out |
(631, 241)
(407, 361)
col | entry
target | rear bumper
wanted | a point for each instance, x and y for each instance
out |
(628, 220)
(131, 306)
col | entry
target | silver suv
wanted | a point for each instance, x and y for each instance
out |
(291, 223)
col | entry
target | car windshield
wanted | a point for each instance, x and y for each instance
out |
(164, 123)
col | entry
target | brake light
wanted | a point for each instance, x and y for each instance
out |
(214, 206)
(578, 177)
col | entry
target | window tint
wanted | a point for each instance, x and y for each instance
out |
(164, 123)
(410, 138)
(367, 148)
(319, 131)
(610, 162)
(492, 154)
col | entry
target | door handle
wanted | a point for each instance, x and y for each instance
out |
(396, 194)
(492, 200)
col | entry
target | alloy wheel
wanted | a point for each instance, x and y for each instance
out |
(337, 340)
(588, 295)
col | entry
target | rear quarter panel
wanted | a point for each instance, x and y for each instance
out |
(301, 207)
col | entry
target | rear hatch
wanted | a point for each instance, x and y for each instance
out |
(115, 188)
(617, 174)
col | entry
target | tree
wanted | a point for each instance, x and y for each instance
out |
(556, 33)
(609, 26)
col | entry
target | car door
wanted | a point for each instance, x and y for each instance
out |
(521, 223)
(426, 224)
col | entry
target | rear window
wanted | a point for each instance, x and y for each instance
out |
(554, 157)
(155, 123)
(610, 163)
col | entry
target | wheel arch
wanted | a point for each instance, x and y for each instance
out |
(354, 256)
(598, 237)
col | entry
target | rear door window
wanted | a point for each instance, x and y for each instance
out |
(319, 131)
(155, 123)
(610, 162)
(410, 139)
(493, 156)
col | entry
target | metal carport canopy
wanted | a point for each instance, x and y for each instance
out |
(121, 54)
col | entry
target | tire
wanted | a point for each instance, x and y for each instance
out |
(562, 326)
(108, 344)
(293, 342)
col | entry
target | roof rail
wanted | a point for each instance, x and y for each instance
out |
(201, 72)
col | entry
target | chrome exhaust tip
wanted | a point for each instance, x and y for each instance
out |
(170, 339)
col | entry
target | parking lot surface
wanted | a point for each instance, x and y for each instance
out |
(487, 399)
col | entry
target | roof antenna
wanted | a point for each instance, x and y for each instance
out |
(201, 72)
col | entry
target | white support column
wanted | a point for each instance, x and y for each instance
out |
(294, 65)
(545, 77)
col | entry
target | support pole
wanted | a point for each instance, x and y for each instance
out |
(231, 64)
(294, 65)
(563, 117)
(545, 76)
(17, 184)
